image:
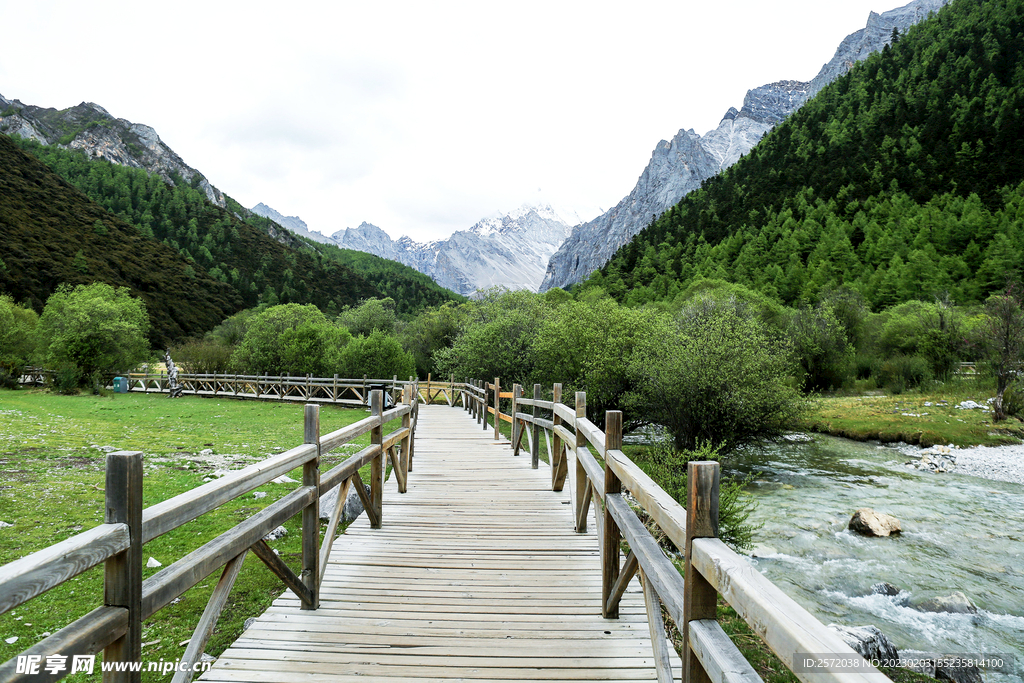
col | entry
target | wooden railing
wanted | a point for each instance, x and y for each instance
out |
(306, 389)
(710, 568)
(116, 628)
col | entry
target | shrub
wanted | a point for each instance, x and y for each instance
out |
(821, 347)
(378, 356)
(715, 374)
(201, 356)
(290, 339)
(901, 373)
(370, 315)
(93, 329)
(1013, 401)
(667, 467)
(17, 330)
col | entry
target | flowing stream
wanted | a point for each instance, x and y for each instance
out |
(960, 533)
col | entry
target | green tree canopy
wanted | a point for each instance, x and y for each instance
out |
(713, 374)
(17, 335)
(291, 339)
(93, 329)
(378, 356)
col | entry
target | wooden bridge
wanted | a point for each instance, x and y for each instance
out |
(479, 566)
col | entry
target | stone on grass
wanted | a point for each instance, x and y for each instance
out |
(353, 504)
(870, 523)
(153, 562)
(279, 532)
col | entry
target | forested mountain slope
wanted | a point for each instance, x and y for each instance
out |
(51, 233)
(260, 260)
(902, 179)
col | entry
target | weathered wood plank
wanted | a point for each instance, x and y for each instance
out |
(659, 641)
(170, 514)
(37, 573)
(160, 588)
(779, 620)
(84, 636)
(204, 629)
(669, 515)
(719, 656)
(263, 551)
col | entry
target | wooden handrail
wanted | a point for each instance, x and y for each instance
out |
(786, 627)
(116, 629)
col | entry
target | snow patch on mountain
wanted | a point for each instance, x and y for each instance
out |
(510, 250)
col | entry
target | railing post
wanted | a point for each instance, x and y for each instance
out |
(122, 579)
(311, 513)
(497, 409)
(699, 597)
(556, 441)
(377, 464)
(334, 393)
(406, 458)
(483, 403)
(612, 536)
(582, 483)
(517, 392)
(535, 429)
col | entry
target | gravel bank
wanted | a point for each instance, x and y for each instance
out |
(1002, 463)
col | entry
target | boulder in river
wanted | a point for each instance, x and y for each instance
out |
(870, 523)
(867, 640)
(955, 603)
(885, 588)
(954, 674)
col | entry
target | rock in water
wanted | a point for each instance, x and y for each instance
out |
(885, 588)
(870, 523)
(957, 603)
(867, 640)
(926, 664)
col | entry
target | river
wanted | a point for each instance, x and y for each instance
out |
(960, 533)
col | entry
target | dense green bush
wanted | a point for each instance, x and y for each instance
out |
(291, 339)
(17, 338)
(586, 347)
(92, 329)
(370, 315)
(714, 374)
(821, 348)
(496, 339)
(202, 356)
(667, 467)
(378, 356)
(901, 373)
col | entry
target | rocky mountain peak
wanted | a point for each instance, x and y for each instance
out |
(679, 166)
(509, 250)
(93, 130)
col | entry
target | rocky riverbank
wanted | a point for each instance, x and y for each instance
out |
(1001, 463)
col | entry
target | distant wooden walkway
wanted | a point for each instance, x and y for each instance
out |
(476, 575)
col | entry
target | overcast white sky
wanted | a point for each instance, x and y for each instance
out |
(419, 117)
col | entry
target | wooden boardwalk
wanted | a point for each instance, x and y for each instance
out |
(476, 575)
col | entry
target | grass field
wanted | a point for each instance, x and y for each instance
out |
(926, 418)
(51, 487)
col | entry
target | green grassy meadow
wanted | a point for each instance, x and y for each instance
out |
(909, 418)
(51, 488)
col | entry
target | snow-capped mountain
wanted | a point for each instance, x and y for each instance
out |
(293, 223)
(679, 166)
(511, 250)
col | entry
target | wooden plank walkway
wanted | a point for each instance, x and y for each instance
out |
(477, 575)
